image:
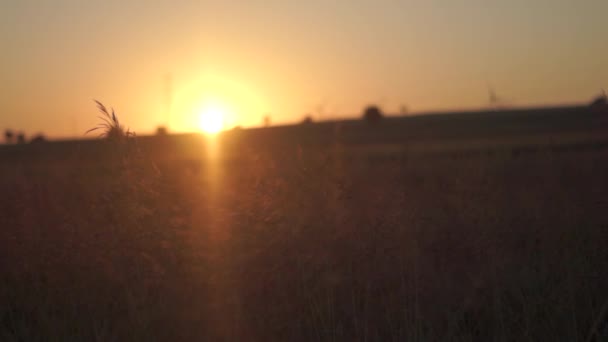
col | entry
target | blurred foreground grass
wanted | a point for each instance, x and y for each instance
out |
(305, 245)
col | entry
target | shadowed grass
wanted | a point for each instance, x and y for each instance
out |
(313, 248)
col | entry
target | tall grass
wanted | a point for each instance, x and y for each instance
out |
(109, 126)
(89, 251)
(305, 246)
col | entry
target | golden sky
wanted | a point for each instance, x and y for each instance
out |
(288, 58)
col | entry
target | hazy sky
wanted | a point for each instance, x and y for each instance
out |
(288, 58)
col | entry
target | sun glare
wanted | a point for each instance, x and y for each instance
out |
(211, 119)
(211, 103)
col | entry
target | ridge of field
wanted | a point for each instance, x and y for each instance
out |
(428, 134)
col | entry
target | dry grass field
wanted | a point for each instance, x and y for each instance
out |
(308, 243)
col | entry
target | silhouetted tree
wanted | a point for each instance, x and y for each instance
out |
(8, 136)
(600, 104)
(372, 114)
(161, 130)
(21, 138)
(307, 120)
(38, 139)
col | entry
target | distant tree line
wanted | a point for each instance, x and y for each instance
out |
(11, 138)
(372, 114)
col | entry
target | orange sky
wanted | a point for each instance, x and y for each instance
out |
(286, 58)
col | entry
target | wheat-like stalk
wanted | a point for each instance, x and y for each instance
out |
(109, 125)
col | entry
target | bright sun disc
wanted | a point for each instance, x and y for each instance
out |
(212, 119)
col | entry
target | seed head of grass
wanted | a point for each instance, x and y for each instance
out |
(109, 126)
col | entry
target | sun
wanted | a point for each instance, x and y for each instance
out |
(211, 119)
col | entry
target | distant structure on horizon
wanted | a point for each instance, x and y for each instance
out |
(494, 100)
(168, 99)
(600, 103)
(21, 138)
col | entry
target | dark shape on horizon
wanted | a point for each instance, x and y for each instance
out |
(8, 136)
(267, 121)
(161, 131)
(307, 120)
(21, 138)
(38, 139)
(372, 114)
(600, 104)
(495, 101)
(493, 98)
(403, 110)
(168, 97)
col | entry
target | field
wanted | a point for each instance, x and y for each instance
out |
(319, 232)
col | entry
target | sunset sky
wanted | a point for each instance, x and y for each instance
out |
(247, 59)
